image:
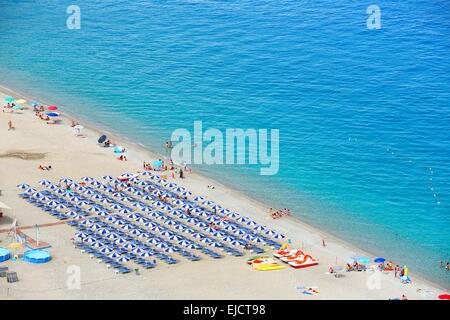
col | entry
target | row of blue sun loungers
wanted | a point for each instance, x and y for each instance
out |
(160, 225)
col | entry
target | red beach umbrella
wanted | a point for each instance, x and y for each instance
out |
(444, 297)
(52, 108)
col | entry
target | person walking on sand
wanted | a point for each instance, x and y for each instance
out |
(323, 243)
(10, 125)
(447, 266)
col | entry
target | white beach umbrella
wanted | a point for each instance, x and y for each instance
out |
(45, 183)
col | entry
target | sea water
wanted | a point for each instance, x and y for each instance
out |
(363, 113)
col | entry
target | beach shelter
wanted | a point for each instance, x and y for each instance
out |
(198, 198)
(102, 139)
(52, 108)
(379, 260)
(23, 186)
(10, 99)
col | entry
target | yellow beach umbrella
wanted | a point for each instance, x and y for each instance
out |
(20, 101)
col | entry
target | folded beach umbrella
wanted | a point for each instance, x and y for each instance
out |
(23, 186)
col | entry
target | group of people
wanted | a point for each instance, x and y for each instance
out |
(277, 214)
(447, 265)
(44, 168)
(8, 107)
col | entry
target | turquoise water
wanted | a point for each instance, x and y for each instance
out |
(363, 114)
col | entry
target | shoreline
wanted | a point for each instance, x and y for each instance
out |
(137, 153)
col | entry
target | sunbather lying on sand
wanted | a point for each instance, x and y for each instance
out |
(48, 168)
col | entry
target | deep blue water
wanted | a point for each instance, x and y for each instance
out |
(363, 114)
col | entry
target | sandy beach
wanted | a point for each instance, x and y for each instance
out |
(33, 143)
